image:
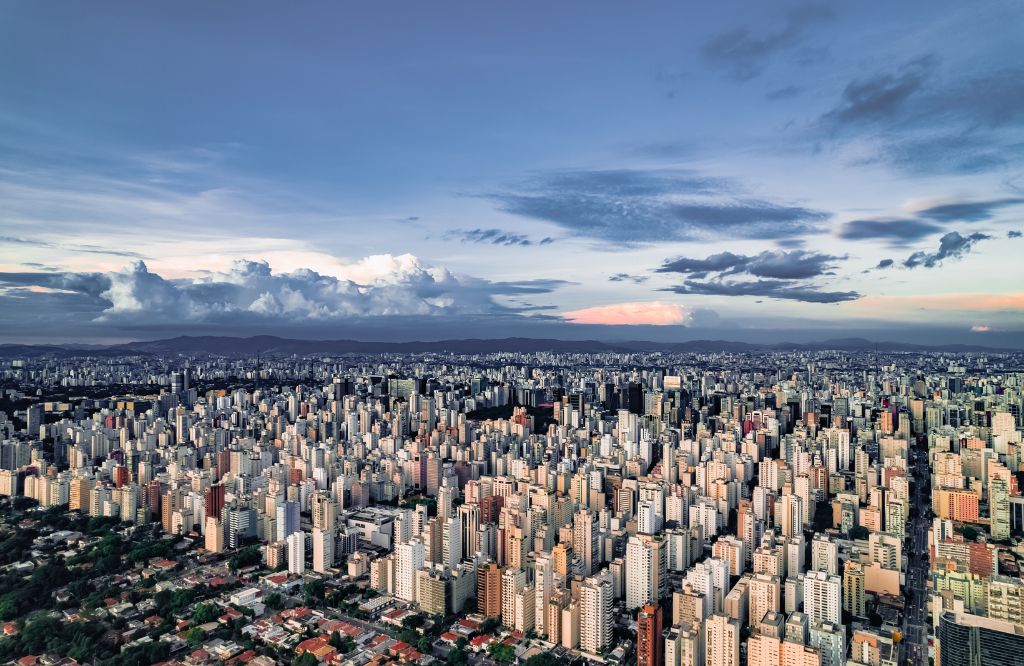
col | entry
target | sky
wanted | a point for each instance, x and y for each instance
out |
(397, 171)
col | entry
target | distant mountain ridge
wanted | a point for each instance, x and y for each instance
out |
(269, 344)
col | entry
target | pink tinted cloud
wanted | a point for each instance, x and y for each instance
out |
(980, 328)
(974, 302)
(651, 313)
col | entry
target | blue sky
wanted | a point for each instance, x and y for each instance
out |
(641, 170)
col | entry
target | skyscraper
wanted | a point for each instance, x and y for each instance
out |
(596, 613)
(721, 641)
(649, 641)
(488, 590)
(823, 597)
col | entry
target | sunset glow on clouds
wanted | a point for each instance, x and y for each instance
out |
(950, 302)
(651, 313)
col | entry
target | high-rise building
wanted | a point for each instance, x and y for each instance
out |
(584, 539)
(649, 641)
(999, 508)
(296, 553)
(765, 597)
(213, 535)
(645, 571)
(287, 520)
(512, 583)
(323, 549)
(596, 613)
(409, 559)
(324, 508)
(854, 600)
(451, 542)
(970, 640)
(721, 641)
(684, 645)
(823, 597)
(825, 555)
(488, 590)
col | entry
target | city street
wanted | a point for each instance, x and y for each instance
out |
(915, 621)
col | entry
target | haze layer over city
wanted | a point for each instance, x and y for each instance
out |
(537, 334)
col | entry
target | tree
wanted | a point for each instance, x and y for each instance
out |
(247, 557)
(343, 644)
(315, 592)
(490, 625)
(306, 659)
(195, 636)
(502, 653)
(542, 659)
(456, 657)
(275, 601)
(206, 613)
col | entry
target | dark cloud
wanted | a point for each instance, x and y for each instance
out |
(743, 52)
(968, 211)
(885, 263)
(94, 249)
(795, 265)
(1014, 234)
(777, 289)
(665, 149)
(637, 206)
(15, 240)
(924, 122)
(491, 237)
(881, 95)
(951, 246)
(783, 93)
(790, 243)
(84, 249)
(626, 277)
(893, 231)
(939, 152)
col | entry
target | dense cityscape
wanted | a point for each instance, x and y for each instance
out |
(799, 508)
(530, 333)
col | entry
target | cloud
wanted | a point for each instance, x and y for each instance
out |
(923, 119)
(951, 246)
(16, 240)
(968, 211)
(795, 265)
(777, 289)
(780, 271)
(881, 95)
(624, 277)
(986, 302)
(885, 263)
(376, 286)
(652, 313)
(895, 231)
(647, 206)
(1013, 234)
(981, 328)
(787, 92)
(494, 237)
(742, 52)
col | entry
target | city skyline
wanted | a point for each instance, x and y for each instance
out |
(785, 172)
